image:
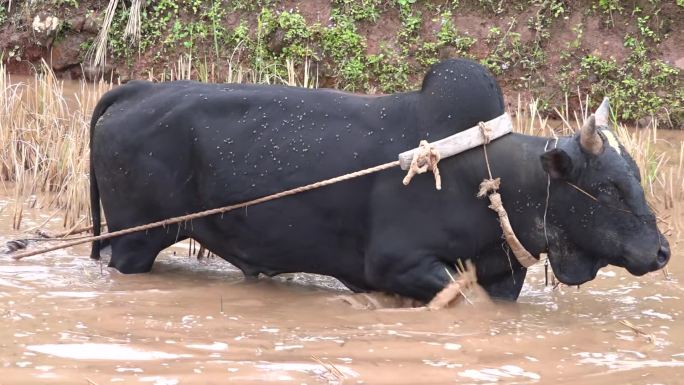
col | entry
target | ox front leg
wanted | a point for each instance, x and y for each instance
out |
(420, 278)
(500, 274)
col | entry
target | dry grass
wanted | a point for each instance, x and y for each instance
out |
(650, 337)
(44, 143)
(188, 67)
(44, 136)
(133, 28)
(97, 53)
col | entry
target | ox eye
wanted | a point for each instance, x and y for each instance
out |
(608, 193)
(611, 195)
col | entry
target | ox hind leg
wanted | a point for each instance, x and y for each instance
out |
(136, 252)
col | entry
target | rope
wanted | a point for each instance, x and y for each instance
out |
(490, 187)
(487, 135)
(201, 214)
(546, 211)
(425, 158)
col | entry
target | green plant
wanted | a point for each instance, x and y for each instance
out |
(609, 7)
(270, 44)
(548, 11)
(390, 70)
(84, 47)
(507, 49)
(3, 15)
(296, 35)
(358, 9)
(155, 20)
(346, 47)
(638, 87)
(495, 6)
(249, 5)
(448, 38)
(411, 23)
(239, 35)
(644, 29)
(117, 42)
(69, 3)
(557, 8)
(215, 14)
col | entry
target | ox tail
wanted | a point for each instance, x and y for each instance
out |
(101, 107)
(95, 211)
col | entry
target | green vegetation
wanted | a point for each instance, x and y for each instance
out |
(358, 9)
(517, 40)
(345, 46)
(635, 84)
(448, 39)
(69, 3)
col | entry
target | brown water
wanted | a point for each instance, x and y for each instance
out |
(66, 319)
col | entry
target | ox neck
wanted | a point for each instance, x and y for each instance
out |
(515, 158)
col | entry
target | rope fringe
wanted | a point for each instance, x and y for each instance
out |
(425, 158)
(489, 186)
(486, 132)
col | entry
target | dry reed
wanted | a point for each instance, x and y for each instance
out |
(44, 143)
(97, 53)
(133, 28)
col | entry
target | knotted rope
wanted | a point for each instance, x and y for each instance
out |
(490, 187)
(425, 158)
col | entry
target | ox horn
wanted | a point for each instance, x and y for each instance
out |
(603, 113)
(590, 140)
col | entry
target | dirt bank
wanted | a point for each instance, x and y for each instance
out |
(541, 49)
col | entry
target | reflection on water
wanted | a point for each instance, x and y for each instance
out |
(496, 374)
(88, 351)
(67, 319)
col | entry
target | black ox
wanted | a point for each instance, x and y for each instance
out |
(163, 150)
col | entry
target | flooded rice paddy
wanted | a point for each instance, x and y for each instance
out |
(66, 319)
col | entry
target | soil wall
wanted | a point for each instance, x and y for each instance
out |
(631, 51)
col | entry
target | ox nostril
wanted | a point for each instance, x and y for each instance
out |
(663, 255)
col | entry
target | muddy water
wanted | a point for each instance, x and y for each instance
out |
(65, 319)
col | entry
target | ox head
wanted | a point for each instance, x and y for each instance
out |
(597, 213)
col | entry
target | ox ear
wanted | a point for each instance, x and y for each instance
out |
(557, 163)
